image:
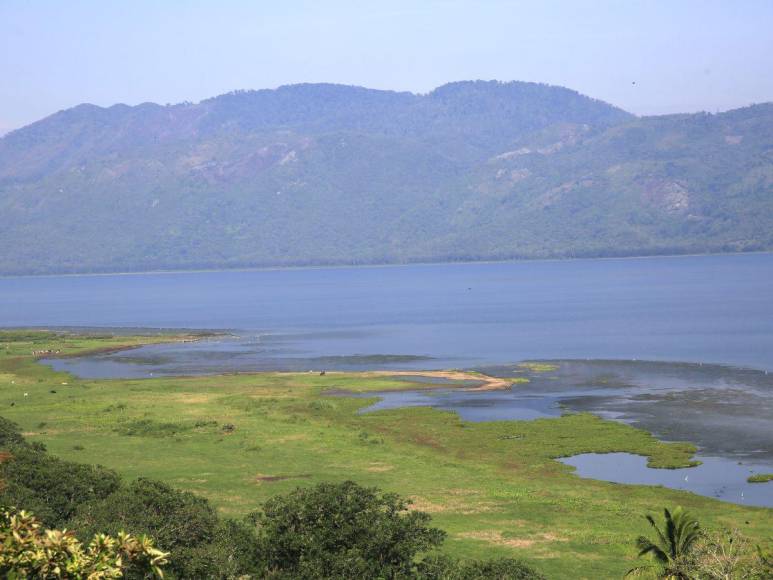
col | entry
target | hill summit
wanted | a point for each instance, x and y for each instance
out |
(329, 174)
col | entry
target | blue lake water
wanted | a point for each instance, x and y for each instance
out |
(702, 308)
(717, 477)
(601, 319)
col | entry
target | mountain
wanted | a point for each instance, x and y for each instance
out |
(330, 174)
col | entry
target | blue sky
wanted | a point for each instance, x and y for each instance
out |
(683, 55)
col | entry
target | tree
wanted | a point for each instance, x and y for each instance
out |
(29, 551)
(342, 530)
(672, 546)
(50, 487)
(10, 433)
(200, 544)
(445, 568)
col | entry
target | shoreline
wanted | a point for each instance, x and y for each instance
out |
(488, 383)
(334, 266)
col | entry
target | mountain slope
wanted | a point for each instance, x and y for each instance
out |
(321, 174)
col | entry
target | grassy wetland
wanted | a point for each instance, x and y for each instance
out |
(239, 439)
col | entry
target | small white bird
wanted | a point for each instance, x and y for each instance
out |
(26, 394)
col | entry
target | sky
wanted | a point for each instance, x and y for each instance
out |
(648, 57)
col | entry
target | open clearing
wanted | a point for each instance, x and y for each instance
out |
(239, 439)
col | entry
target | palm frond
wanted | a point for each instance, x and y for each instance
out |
(639, 571)
(646, 546)
(663, 541)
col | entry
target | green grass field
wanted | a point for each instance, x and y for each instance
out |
(238, 439)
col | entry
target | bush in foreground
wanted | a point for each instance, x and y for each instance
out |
(343, 530)
(331, 530)
(45, 485)
(29, 551)
(201, 544)
(445, 568)
(681, 550)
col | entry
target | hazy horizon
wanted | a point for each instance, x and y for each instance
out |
(645, 57)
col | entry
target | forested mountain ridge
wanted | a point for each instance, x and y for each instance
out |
(330, 174)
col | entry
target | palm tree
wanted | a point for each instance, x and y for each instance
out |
(671, 547)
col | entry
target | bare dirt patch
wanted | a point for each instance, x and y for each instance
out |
(380, 467)
(451, 504)
(487, 383)
(290, 438)
(496, 538)
(462, 491)
(260, 478)
(553, 538)
(197, 399)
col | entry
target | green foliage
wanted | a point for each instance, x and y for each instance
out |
(327, 531)
(93, 501)
(182, 523)
(672, 547)
(760, 478)
(29, 551)
(490, 483)
(473, 170)
(764, 564)
(49, 486)
(149, 428)
(446, 568)
(10, 434)
(342, 531)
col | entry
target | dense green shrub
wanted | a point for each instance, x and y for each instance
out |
(10, 433)
(331, 530)
(185, 525)
(343, 531)
(446, 568)
(48, 486)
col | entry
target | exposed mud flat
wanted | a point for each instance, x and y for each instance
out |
(231, 353)
(725, 411)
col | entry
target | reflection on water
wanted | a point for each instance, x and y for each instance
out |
(727, 412)
(244, 353)
(702, 308)
(717, 477)
(472, 406)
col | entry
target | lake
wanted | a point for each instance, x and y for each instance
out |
(698, 308)
(716, 477)
(680, 346)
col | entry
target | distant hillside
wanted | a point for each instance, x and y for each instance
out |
(329, 174)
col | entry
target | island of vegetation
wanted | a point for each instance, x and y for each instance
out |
(215, 476)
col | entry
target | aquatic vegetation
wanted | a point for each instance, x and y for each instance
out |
(760, 478)
(493, 486)
(538, 367)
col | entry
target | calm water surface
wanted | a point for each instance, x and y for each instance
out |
(703, 309)
(717, 476)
